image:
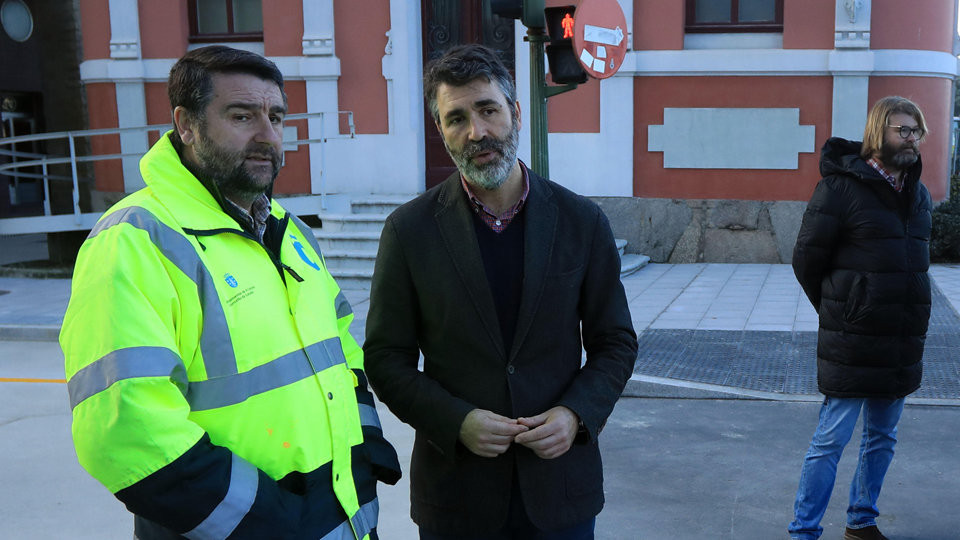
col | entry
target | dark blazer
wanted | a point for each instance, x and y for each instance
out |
(430, 293)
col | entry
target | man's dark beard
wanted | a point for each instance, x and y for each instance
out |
(227, 169)
(893, 155)
(491, 175)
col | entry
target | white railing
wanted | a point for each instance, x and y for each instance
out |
(24, 160)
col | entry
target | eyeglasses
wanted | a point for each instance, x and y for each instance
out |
(907, 131)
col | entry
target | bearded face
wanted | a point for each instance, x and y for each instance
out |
(492, 172)
(241, 174)
(898, 153)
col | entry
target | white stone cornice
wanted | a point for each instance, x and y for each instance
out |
(791, 62)
(294, 68)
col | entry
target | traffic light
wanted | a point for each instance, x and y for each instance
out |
(530, 12)
(564, 65)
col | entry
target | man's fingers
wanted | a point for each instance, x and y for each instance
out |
(502, 428)
(533, 421)
(537, 434)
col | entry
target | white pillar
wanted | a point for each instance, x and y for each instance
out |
(851, 62)
(321, 69)
(132, 112)
(131, 100)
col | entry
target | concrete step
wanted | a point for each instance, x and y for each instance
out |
(632, 262)
(353, 279)
(338, 260)
(347, 241)
(621, 245)
(353, 222)
(378, 205)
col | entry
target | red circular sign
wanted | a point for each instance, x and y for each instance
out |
(600, 37)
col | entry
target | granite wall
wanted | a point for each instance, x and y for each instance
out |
(700, 230)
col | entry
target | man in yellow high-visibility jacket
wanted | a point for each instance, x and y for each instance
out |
(216, 390)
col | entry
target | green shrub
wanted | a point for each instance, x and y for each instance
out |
(945, 237)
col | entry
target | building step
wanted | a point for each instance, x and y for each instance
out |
(621, 245)
(378, 205)
(353, 279)
(631, 263)
(353, 222)
(347, 241)
(338, 260)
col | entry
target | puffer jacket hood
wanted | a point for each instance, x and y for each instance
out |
(840, 157)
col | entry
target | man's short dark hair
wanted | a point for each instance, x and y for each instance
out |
(191, 83)
(461, 65)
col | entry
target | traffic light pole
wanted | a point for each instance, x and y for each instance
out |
(539, 92)
(539, 151)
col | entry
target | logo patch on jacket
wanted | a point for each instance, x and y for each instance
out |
(231, 281)
(303, 254)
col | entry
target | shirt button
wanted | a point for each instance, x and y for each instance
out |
(510, 369)
(498, 223)
(329, 395)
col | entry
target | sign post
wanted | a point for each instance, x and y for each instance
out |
(597, 30)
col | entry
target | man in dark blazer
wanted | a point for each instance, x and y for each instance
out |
(500, 278)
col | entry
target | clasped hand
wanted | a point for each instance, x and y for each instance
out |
(549, 434)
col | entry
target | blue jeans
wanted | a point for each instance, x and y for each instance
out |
(838, 417)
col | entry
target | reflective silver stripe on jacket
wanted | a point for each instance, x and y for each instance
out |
(244, 480)
(369, 416)
(343, 306)
(288, 369)
(135, 362)
(215, 343)
(364, 521)
(126, 364)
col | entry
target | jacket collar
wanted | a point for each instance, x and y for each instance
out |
(197, 206)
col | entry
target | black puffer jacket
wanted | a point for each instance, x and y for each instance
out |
(862, 257)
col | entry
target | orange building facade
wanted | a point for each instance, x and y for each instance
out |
(732, 112)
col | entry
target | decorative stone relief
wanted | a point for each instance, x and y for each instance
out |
(852, 24)
(318, 28)
(318, 47)
(852, 6)
(124, 30)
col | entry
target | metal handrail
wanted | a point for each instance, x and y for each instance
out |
(44, 161)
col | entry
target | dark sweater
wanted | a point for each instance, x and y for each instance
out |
(502, 255)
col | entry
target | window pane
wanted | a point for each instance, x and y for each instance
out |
(247, 16)
(758, 11)
(712, 11)
(211, 17)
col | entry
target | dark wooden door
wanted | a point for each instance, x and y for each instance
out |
(453, 22)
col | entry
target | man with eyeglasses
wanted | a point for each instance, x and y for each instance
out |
(862, 257)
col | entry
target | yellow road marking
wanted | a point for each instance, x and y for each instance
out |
(29, 380)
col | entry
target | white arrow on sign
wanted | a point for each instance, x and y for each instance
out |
(599, 34)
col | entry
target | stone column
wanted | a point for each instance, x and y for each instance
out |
(131, 100)
(851, 63)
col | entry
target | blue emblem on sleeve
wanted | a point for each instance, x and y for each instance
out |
(231, 281)
(303, 255)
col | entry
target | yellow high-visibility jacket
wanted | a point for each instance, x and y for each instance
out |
(215, 387)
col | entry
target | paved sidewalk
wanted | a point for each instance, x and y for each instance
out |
(676, 469)
(706, 330)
